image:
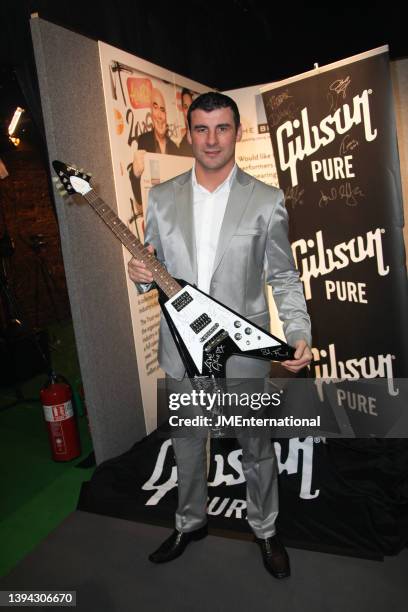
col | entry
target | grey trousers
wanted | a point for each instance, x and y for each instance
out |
(258, 463)
(261, 475)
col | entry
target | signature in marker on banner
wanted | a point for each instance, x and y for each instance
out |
(347, 144)
(294, 196)
(345, 191)
(337, 92)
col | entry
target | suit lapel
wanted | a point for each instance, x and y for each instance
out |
(241, 190)
(185, 220)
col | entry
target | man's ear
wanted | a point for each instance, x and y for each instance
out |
(189, 136)
(239, 133)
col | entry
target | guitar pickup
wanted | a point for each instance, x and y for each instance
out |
(181, 301)
(200, 323)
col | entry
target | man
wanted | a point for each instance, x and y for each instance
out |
(154, 141)
(186, 101)
(224, 230)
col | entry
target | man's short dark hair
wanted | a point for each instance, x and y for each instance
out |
(211, 101)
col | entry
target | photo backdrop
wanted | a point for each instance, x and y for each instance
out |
(128, 85)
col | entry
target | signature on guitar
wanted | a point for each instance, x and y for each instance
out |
(213, 360)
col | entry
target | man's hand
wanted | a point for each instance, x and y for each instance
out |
(138, 271)
(138, 162)
(303, 356)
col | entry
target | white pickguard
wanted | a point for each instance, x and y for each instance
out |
(243, 333)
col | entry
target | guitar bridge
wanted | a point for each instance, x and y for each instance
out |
(217, 339)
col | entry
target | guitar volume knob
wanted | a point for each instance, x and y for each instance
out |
(238, 336)
(248, 331)
(237, 323)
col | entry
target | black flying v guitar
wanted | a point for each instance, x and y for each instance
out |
(205, 331)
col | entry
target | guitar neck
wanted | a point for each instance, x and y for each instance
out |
(161, 277)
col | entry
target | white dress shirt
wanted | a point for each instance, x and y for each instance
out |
(208, 212)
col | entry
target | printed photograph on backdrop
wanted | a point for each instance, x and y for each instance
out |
(146, 111)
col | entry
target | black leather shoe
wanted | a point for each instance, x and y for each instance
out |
(274, 557)
(176, 544)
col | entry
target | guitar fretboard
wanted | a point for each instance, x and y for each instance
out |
(160, 275)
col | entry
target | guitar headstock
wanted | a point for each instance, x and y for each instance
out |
(71, 179)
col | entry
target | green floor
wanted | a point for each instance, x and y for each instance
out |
(36, 492)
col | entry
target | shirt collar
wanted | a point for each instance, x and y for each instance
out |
(227, 182)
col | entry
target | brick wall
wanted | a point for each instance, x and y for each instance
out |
(28, 210)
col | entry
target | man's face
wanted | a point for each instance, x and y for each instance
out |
(159, 113)
(213, 136)
(186, 101)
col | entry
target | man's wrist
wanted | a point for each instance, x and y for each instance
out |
(295, 337)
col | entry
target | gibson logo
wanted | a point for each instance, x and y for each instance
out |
(229, 471)
(292, 149)
(327, 368)
(325, 260)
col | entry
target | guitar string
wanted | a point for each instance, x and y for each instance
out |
(160, 275)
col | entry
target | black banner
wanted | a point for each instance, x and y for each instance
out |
(332, 497)
(334, 139)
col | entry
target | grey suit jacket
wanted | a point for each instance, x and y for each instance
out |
(253, 248)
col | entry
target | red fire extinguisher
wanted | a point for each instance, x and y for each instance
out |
(56, 398)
